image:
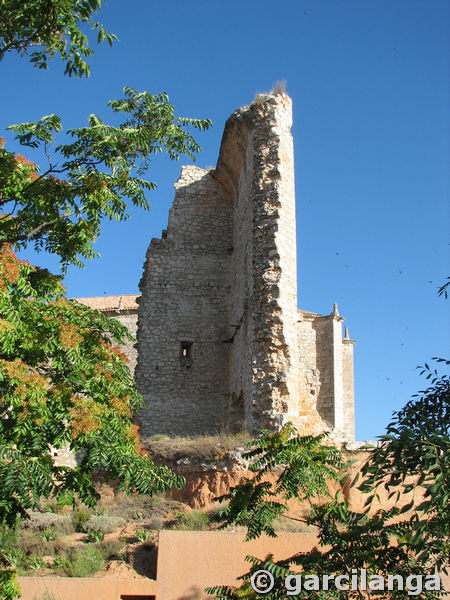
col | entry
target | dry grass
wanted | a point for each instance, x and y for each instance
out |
(153, 513)
(205, 448)
(285, 524)
(191, 520)
(278, 88)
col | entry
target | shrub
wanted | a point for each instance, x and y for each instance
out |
(158, 507)
(193, 520)
(61, 564)
(31, 542)
(157, 501)
(124, 555)
(49, 534)
(8, 537)
(36, 562)
(199, 448)
(125, 510)
(14, 557)
(79, 518)
(86, 562)
(95, 536)
(214, 512)
(105, 524)
(111, 548)
(279, 87)
(141, 534)
(54, 507)
(101, 511)
(46, 520)
(156, 521)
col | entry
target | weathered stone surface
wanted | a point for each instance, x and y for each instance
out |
(221, 342)
(124, 309)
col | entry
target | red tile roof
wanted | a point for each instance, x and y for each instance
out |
(125, 302)
(129, 302)
(307, 313)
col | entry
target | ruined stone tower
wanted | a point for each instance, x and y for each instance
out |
(221, 342)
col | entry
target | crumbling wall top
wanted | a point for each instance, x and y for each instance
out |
(237, 132)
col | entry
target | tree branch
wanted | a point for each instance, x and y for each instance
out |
(33, 232)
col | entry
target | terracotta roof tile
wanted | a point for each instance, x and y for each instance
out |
(129, 302)
(308, 313)
(124, 302)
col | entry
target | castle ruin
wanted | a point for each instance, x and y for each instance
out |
(221, 341)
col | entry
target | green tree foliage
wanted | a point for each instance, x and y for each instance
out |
(59, 208)
(412, 537)
(63, 383)
(416, 452)
(63, 379)
(307, 465)
(51, 28)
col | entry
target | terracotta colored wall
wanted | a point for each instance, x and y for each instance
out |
(74, 588)
(189, 561)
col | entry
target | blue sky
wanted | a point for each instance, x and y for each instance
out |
(368, 79)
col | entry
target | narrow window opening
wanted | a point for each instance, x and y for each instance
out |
(186, 353)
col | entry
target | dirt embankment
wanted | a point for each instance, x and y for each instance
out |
(206, 482)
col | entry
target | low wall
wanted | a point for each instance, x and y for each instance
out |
(94, 588)
(189, 561)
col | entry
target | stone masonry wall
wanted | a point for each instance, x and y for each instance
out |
(124, 308)
(239, 405)
(324, 363)
(128, 318)
(182, 360)
(349, 388)
(219, 338)
(330, 358)
(256, 165)
(275, 390)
